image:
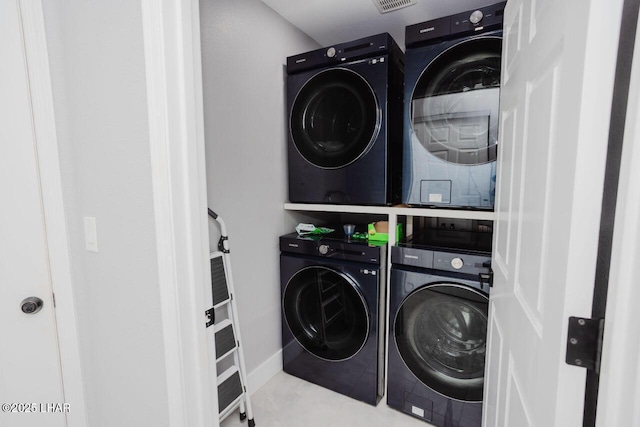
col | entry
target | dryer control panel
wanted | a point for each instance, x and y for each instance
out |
(484, 19)
(368, 47)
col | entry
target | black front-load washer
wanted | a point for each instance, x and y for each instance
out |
(345, 123)
(452, 96)
(332, 304)
(438, 313)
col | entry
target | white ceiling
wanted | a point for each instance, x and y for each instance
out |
(336, 21)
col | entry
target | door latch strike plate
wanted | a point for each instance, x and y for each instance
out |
(584, 342)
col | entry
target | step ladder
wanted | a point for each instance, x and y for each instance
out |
(231, 383)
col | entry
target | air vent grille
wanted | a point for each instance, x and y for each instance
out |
(385, 6)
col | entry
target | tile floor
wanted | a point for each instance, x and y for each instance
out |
(287, 401)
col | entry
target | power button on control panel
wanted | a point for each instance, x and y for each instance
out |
(323, 249)
(457, 263)
(476, 17)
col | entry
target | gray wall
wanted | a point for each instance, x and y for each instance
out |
(98, 75)
(244, 49)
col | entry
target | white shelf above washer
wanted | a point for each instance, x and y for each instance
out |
(392, 210)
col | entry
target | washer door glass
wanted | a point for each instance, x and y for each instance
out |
(455, 103)
(441, 333)
(335, 118)
(326, 313)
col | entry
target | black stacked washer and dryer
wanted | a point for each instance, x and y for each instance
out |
(438, 311)
(345, 118)
(452, 88)
(345, 123)
(333, 313)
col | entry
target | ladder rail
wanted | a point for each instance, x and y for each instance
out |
(244, 400)
(235, 321)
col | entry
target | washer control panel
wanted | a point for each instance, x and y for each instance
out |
(334, 248)
(461, 262)
(431, 258)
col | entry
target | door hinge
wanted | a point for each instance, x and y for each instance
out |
(584, 342)
(211, 317)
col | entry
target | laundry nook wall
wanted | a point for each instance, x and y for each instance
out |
(244, 47)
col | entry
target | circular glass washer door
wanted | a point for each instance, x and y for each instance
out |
(455, 103)
(335, 118)
(441, 331)
(326, 313)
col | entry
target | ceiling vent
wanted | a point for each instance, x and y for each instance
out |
(385, 6)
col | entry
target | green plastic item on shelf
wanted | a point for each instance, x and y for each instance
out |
(310, 229)
(376, 236)
(360, 236)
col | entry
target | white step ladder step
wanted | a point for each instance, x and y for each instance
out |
(219, 280)
(225, 337)
(230, 389)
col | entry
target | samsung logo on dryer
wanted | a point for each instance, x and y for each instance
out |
(427, 30)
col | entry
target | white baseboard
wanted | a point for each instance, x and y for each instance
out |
(263, 373)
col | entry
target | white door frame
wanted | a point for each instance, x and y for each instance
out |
(174, 85)
(619, 389)
(174, 92)
(172, 45)
(35, 45)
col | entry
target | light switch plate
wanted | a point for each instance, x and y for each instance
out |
(90, 234)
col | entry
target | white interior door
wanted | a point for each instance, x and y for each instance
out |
(558, 68)
(29, 354)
